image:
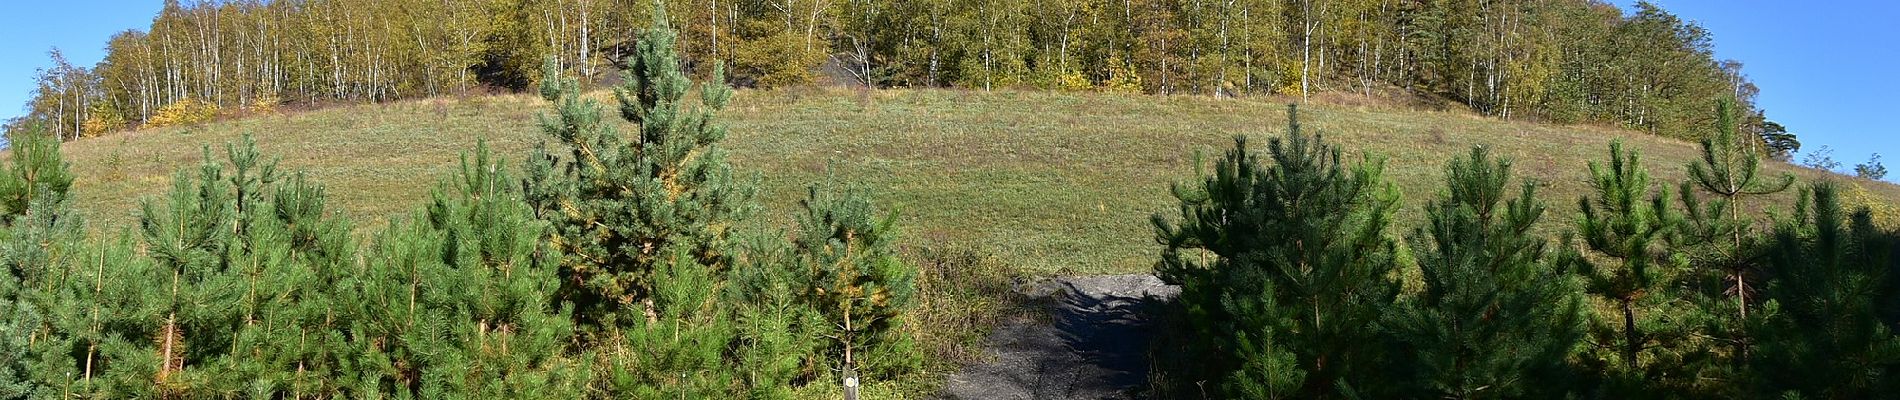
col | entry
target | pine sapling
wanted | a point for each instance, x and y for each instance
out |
(1499, 310)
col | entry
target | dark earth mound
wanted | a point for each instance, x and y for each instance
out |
(1092, 342)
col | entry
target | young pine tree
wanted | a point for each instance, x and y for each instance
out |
(1645, 346)
(620, 207)
(1724, 251)
(1287, 268)
(780, 346)
(644, 223)
(850, 272)
(1823, 337)
(37, 230)
(35, 170)
(1730, 172)
(1500, 311)
(33, 209)
(457, 301)
(242, 296)
(78, 347)
(17, 319)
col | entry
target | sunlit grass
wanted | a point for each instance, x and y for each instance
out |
(1054, 183)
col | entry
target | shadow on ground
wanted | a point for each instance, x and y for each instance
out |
(1092, 342)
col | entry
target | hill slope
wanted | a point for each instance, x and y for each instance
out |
(1053, 182)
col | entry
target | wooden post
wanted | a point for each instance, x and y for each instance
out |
(850, 383)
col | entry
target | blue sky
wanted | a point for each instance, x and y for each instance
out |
(1826, 69)
(79, 28)
(1827, 72)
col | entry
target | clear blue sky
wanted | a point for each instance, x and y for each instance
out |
(78, 28)
(1825, 71)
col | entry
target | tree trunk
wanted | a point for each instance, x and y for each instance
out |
(1633, 344)
(1306, 47)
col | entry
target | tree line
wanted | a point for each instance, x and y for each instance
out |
(1295, 284)
(1557, 60)
(613, 267)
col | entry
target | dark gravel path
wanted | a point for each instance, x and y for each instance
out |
(1092, 344)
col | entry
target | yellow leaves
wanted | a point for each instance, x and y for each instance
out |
(669, 175)
(100, 123)
(1122, 77)
(183, 112)
(1073, 81)
(880, 297)
(1289, 76)
(778, 60)
(263, 104)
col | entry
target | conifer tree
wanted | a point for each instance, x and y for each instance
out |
(64, 303)
(1287, 267)
(36, 170)
(1823, 337)
(1641, 349)
(197, 305)
(78, 345)
(37, 229)
(246, 264)
(644, 225)
(459, 298)
(17, 318)
(781, 346)
(852, 276)
(33, 186)
(1718, 237)
(1499, 311)
(1730, 171)
(619, 205)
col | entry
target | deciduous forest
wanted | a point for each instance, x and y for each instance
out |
(1565, 61)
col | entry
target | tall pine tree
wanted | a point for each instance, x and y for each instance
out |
(1730, 171)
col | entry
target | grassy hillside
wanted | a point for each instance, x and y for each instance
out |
(1055, 182)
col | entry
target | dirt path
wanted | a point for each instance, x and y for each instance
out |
(1092, 343)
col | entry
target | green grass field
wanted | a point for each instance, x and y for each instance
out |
(1056, 183)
